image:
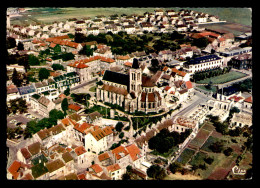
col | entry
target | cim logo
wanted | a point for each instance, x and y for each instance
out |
(237, 171)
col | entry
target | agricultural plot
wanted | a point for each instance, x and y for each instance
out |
(201, 137)
(223, 78)
(210, 140)
(185, 156)
(208, 127)
(198, 158)
(219, 174)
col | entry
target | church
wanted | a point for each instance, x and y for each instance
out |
(133, 91)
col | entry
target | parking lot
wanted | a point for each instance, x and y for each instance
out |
(15, 120)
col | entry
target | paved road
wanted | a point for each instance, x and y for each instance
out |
(82, 85)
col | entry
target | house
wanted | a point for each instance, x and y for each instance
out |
(93, 117)
(51, 136)
(27, 91)
(104, 159)
(96, 140)
(115, 171)
(180, 75)
(18, 170)
(82, 156)
(159, 12)
(241, 119)
(96, 169)
(12, 92)
(203, 63)
(42, 104)
(121, 156)
(135, 155)
(56, 169)
(181, 124)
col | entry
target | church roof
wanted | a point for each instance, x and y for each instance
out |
(116, 77)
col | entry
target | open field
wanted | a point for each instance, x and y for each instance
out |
(47, 15)
(179, 176)
(233, 75)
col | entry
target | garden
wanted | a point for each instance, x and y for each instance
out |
(185, 156)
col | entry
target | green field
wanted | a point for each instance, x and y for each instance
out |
(223, 78)
(236, 15)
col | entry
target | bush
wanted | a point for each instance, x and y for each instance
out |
(228, 151)
(216, 147)
(119, 126)
(175, 167)
(209, 160)
(121, 135)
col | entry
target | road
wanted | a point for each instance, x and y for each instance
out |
(82, 85)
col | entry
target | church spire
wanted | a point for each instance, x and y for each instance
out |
(135, 64)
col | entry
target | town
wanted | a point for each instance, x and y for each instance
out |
(157, 96)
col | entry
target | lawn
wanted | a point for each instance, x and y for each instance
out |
(213, 88)
(93, 89)
(232, 75)
(185, 156)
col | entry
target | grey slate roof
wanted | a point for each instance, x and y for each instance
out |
(116, 77)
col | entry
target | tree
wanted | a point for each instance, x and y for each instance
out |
(33, 60)
(57, 49)
(79, 38)
(201, 42)
(16, 78)
(54, 113)
(175, 167)
(10, 42)
(216, 147)
(228, 151)
(57, 67)
(67, 92)
(86, 50)
(64, 105)
(156, 172)
(126, 176)
(121, 135)
(44, 74)
(119, 126)
(209, 160)
(20, 46)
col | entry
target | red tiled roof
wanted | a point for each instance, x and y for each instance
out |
(134, 152)
(74, 107)
(25, 153)
(189, 85)
(96, 168)
(128, 64)
(236, 98)
(119, 150)
(113, 167)
(249, 99)
(13, 169)
(83, 127)
(82, 177)
(103, 156)
(167, 88)
(80, 150)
